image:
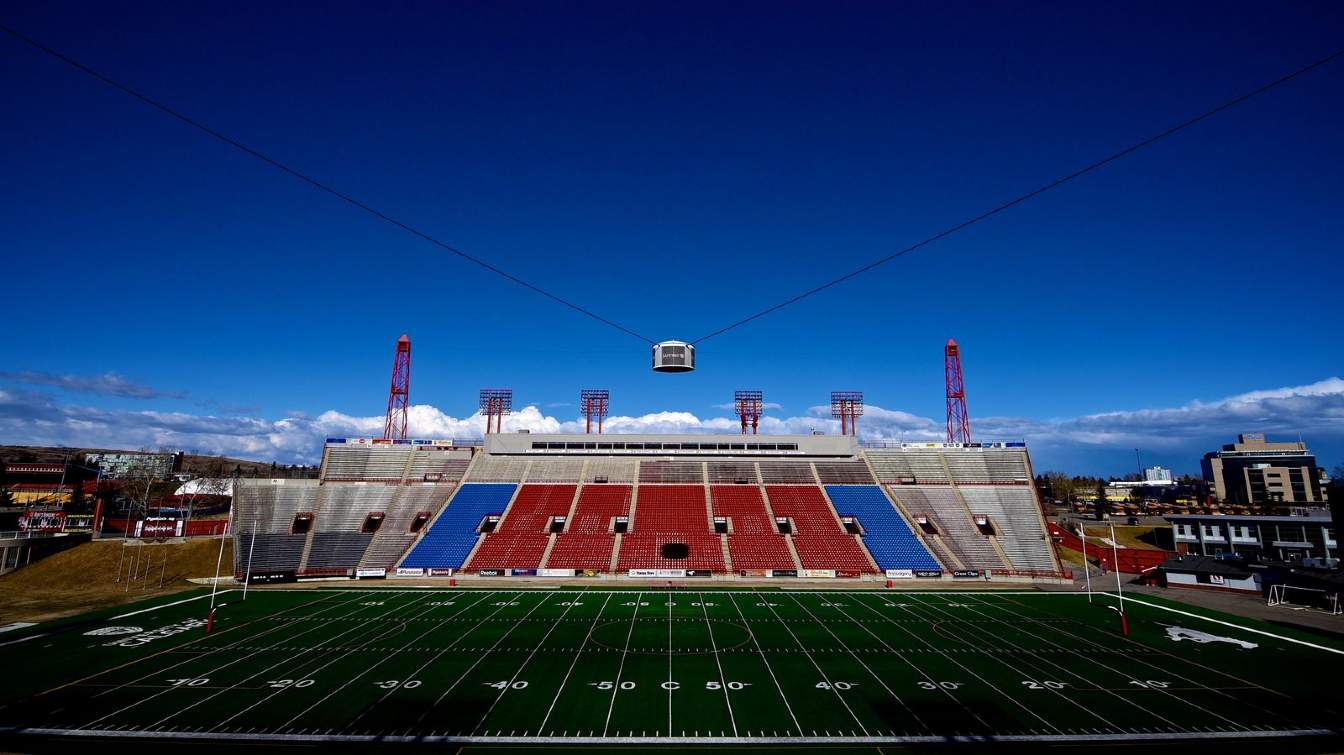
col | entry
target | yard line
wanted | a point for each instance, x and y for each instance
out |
(488, 651)
(963, 666)
(1168, 670)
(713, 646)
(817, 666)
(621, 668)
(1060, 667)
(339, 656)
(871, 673)
(224, 666)
(669, 664)
(540, 644)
(231, 646)
(202, 596)
(761, 652)
(575, 662)
(1235, 626)
(381, 661)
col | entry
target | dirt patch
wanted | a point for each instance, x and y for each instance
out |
(105, 573)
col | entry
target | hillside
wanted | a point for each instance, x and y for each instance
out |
(84, 577)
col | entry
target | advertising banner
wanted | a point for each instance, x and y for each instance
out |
(490, 573)
(819, 573)
(699, 573)
(929, 573)
(783, 572)
(370, 573)
(658, 573)
(900, 573)
(401, 572)
(555, 572)
(271, 577)
(589, 573)
(523, 572)
(440, 572)
(966, 574)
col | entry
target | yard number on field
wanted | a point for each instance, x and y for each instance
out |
(940, 685)
(836, 685)
(1029, 684)
(395, 683)
(295, 683)
(189, 682)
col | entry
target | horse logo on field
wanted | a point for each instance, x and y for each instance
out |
(1194, 635)
(112, 631)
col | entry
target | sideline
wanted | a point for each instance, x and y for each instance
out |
(167, 605)
(1141, 602)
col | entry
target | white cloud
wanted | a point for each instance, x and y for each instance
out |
(1315, 410)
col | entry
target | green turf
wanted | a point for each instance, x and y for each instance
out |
(722, 665)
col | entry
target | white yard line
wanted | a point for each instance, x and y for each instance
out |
(170, 605)
(961, 665)
(669, 664)
(540, 644)
(760, 652)
(215, 670)
(380, 662)
(723, 680)
(855, 656)
(621, 668)
(487, 653)
(918, 670)
(574, 663)
(375, 630)
(1312, 645)
(808, 654)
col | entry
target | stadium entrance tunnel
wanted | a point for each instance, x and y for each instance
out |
(674, 551)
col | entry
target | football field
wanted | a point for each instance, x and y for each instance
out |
(684, 665)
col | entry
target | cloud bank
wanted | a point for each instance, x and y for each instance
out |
(1316, 411)
(107, 384)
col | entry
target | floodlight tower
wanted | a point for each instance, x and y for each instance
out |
(958, 419)
(594, 403)
(399, 395)
(495, 403)
(848, 406)
(749, 407)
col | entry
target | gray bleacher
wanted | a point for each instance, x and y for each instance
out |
(843, 473)
(497, 469)
(394, 536)
(1013, 511)
(555, 471)
(953, 522)
(266, 509)
(787, 473)
(732, 472)
(611, 470)
(684, 472)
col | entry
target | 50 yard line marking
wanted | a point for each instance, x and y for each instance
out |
(723, 680)
(760, 651)
(669, 664)
(621, 668)
(574, 663)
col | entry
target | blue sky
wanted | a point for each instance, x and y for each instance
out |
(674, 168)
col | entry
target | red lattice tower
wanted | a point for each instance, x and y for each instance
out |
(848, 407)
(958, 419)
(749, 407)
(399, 395)
(495, 403)
(594, 402)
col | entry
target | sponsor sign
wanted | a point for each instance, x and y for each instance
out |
(965, 574)
(144, 638)
(819, 573)
(1217, 579)
(783, 573)
(271, 577)
(929, 573)
(403, 572)
(370, 573)
(699, 573)
(589, 573)
(440, 572)
(490, 572)
(523, 572)
(555, 572)
(335, 440)
(658, 573)
(900, 573)
(846, 573)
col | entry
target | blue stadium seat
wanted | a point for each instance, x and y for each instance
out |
(453, 534)
(885, 532)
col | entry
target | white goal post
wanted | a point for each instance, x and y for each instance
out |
(1305, 597)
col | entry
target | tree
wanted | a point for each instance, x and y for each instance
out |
(1103, 505)
(1060, 486)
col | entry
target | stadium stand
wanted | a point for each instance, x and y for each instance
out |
(366, 463)
(670, 515)
(451, 536)
(753, 541)
(843, 473)
(497, 469)
(956, 529)
(1015, 516)
(817, 535)
(520, 539)
(733, 472)
(394, 536)
(267, 509)
(560, 470)
(588, 540)
(787, 473)
(886, 534)
(671, 472)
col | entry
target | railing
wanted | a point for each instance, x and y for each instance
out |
(939, 444)
(26, 534)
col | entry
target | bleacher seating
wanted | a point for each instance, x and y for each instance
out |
(437, 464)
(643, 550)
(967, 465)
(453, 534)
(267, 508)
(956, 530)
(344, 505)
(269, 552)
(786, 472)
(611, 470)
(1007, 464)
(753, 541)
(671, 472)
(733, 472)
(381, 462)
(1014, 514)
(926, 464)
(394, 536)
(890, 464)
(670, 514)
(337, 550)
(886, 534)
(817, 535)
(522, 535)
(843, 473)
(671, 508)
(558, 470)
(587, 541)
(497, 469)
